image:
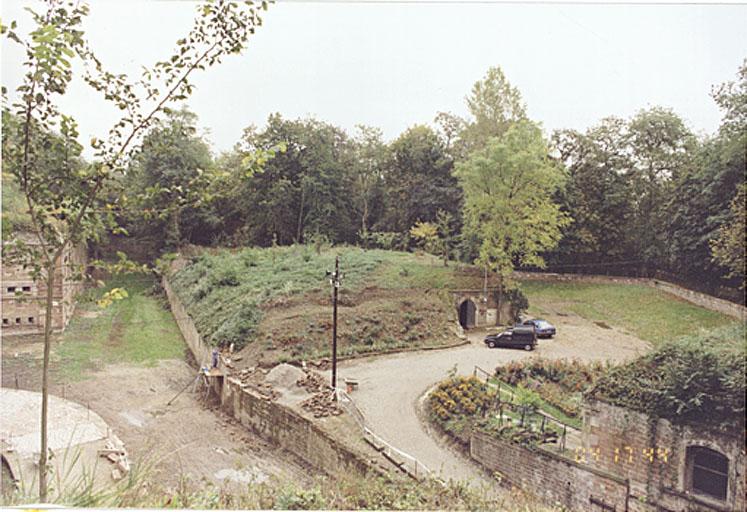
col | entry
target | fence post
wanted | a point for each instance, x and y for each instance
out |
(563, 442)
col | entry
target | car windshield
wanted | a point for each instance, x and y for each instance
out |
(543, 324)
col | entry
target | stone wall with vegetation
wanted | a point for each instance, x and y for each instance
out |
(273, 422)
(700, 299)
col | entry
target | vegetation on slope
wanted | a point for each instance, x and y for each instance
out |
(281, 296)
(698, 378)
(649, 314)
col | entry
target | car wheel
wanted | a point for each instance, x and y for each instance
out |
(491, 344)
(528, 347)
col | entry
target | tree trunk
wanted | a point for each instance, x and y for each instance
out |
(299, 227)
(45, 376)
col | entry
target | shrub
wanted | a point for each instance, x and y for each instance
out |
(699, 379)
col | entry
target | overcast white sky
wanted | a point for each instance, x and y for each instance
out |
(393, 65)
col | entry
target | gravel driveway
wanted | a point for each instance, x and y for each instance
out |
(390, 386)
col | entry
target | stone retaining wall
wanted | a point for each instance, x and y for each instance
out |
(272, 421)
(700, 299)
(550, 477)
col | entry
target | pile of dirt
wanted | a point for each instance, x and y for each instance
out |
(284, 376)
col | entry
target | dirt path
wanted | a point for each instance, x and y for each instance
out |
(186, 440)
(390, 387)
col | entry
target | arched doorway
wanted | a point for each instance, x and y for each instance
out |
(467, 314)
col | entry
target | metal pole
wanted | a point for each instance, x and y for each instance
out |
(335, 286)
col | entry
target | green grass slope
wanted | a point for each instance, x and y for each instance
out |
(281, 296)
(649, 314)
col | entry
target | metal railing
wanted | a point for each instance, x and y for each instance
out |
(404, 461)
(526, 418)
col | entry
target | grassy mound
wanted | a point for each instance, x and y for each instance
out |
(699, 378)
(282, 297)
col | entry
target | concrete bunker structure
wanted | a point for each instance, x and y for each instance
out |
(481, 308)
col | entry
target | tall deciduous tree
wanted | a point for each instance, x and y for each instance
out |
(597, 194)
(661, 146)
(418, 181)
(495, 105)
(729, 244)
(366, 173)
(508, 189)
(64, 199)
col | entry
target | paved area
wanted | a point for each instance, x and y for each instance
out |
(390, 387)
(74, 436)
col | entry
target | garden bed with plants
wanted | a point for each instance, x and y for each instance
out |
(460, 406)
(560, 384)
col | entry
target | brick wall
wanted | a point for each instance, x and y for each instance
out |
(23, 299)
(700, 299)
(554, 479)
(651, 454)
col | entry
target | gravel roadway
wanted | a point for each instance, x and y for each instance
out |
(390, 387)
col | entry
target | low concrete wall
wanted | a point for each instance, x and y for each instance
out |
(287, 429)
(200, 351)
(273, 422)
(700, 299)
(550, 477)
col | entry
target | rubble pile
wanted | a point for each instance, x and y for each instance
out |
(321, 405)
(312, 383)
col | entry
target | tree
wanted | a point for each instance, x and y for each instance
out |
(303, 189)
(731, 97)
(661, 147)
(597, 194)
(63, 198)
(426, 234)
(174, 170)
(366, 172)
(729, 244)
(418, 181)
(508, 188)
(495, 105)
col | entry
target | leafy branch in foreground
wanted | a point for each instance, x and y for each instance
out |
(63, 194)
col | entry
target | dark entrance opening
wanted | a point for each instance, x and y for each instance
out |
(467, 314)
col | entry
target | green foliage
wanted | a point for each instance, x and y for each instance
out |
(418, 181)
(729, 244)
(496, 105)
(224, 291)
(508, 190)
(697, 379)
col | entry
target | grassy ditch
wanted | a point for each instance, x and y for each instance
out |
(137, 329)
(649, 314)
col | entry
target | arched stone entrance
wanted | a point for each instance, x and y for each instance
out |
(467, 314)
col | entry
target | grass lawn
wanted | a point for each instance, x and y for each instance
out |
(137, 329)
(650, 314)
